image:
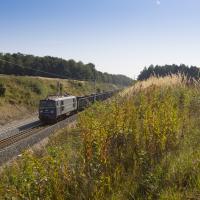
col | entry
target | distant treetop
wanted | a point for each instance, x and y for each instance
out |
(166, 70)
(20, 64)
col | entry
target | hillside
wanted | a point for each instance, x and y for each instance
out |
(22, 94)
(21, 64)
(142, 144)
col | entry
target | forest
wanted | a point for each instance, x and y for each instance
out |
(166, 70)
(21, 64)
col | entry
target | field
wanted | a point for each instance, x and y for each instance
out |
(141, 144)
(22, 94)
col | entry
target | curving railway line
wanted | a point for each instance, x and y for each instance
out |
(13, 145)
(6, 142)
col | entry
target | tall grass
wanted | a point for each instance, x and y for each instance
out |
(142, 145)
(167, 81)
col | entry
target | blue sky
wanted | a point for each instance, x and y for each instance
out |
(118, 36)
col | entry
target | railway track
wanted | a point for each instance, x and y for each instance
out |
(13, 145)
(6, 142)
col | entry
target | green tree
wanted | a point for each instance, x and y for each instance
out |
(20, 64)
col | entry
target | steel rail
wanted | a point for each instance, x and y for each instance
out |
(19, 136)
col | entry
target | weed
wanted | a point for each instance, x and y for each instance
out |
(143, 144)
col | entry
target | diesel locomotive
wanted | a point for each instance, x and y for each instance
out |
(54, 108)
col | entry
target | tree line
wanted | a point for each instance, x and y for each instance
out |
(166, 70)
(21, 64)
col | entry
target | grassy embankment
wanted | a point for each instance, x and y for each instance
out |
(144, 144)
(23, 93)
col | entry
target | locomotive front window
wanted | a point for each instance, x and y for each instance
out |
(47, 103)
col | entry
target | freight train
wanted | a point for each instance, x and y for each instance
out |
(55, 108)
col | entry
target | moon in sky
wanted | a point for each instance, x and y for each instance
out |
(158, 2)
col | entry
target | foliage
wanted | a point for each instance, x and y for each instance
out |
(56, 68)
(2, 90)
(161, 71)
(142, 145)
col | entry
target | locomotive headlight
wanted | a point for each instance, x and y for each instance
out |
(51, 111)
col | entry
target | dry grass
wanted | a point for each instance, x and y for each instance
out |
(167, 81)
(9, 112)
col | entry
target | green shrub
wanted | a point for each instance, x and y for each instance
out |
(53, 87)
(80, 84)
(2, 90)
(36, 87)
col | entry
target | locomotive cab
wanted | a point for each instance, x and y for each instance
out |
(53, 108)
(47, 110)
